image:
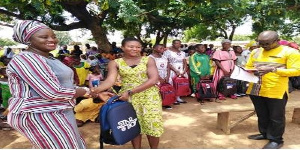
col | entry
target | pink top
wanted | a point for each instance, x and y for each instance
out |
(226, 59)
(92, 77)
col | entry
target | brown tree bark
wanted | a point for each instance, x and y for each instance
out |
(86, 20)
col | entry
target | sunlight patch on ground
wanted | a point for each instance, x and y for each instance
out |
(294, 146)
(19, 140)
(183, 121)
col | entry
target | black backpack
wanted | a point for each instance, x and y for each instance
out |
(242, 86)
(295, 82)
(206, 90)
(227, 86)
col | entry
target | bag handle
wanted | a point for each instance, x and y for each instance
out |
(113, 99)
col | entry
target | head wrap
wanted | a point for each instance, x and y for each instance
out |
(225, 41)
(251, 43)
(24, 29)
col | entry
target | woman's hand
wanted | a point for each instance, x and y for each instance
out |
(226, 73)
(124, 96)
(177, 73)
(94, 92)
(105, 95)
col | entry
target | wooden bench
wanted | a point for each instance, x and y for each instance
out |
(241, 105)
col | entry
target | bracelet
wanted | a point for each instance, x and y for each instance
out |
(88, 91)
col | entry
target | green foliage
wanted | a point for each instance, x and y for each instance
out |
(197, 19)
(217, 18)
(63, 37)
(6, 42)
(237, 37)
(296, 39)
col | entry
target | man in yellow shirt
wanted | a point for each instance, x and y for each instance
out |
(274, 64)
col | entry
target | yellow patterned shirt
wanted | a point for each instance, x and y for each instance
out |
(274, 84)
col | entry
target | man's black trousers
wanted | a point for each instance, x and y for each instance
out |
(271, 116)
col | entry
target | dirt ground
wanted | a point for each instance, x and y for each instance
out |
(186, 127)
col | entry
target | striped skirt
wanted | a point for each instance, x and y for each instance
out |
(53, 130)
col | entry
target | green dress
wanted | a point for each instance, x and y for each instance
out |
(147, 104)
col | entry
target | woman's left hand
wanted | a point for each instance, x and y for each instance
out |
(124, 96)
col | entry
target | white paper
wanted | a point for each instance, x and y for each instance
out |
(240, 74)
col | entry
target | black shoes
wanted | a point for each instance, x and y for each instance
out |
(176, 103)
(167, 107)
(257, 137)
(273, 145)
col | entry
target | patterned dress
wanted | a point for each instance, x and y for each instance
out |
(176, 60)
(41, 106)
(162, 66)
(147, 104)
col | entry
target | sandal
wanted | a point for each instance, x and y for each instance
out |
(222, 98)
(233, 97)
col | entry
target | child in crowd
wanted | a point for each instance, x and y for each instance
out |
(87, 109)
(83, 58)
(92, 60)
(200, 67)
(82, 69)
(241, 60)
(93, 79)
(5, 92)
(162, 66)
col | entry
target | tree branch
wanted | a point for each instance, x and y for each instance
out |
(6, 24)
(2, 11)
(65, 27)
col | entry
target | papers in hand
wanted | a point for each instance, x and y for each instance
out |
(240, 74)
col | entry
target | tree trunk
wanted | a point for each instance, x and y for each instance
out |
(93, 23)
(158, 37)
(165, 39)
(99, 34)
(232, 33)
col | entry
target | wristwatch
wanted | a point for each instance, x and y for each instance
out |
(274, 69)
(129, 92)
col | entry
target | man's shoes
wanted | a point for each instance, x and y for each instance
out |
(257, 137)
(273, 145)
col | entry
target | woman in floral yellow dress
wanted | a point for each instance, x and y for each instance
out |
(139, 76)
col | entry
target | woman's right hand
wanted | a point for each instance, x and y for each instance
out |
(105, 95)
(177, 73)
(226, 73)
